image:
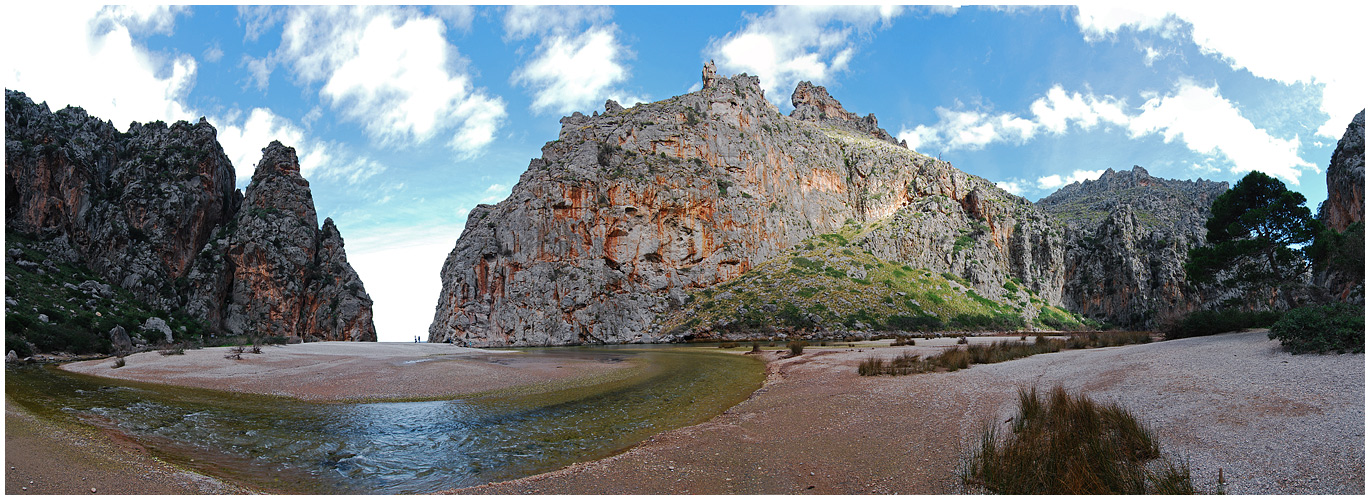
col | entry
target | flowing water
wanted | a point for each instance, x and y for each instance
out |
(291, 446)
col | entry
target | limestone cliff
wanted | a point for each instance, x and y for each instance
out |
(1127, 239)
(628, 211)
(154, 211)
(1345, 203)
(1340, 258)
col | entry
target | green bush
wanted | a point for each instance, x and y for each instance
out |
(1334, 327)
(1209, 322)
(797, 347)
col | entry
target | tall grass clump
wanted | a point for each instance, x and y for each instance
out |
(797, 347)
(1005, 350)
(1061, 444)
(1335, 327)
(903, 364)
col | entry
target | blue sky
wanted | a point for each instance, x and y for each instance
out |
(405, 118)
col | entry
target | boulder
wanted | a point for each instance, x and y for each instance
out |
(120, 339)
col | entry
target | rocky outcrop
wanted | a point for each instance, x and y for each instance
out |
(154, 210)
(276, 271)
(1128, 236)
(1345, 203)
(813, 104)
(629, 210)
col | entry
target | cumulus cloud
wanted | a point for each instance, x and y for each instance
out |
(969, 130)
(790, 44)
(577, 72)
(1209, 124)
(393, 72)
(1055, 181)
(1058, 109)
(96, 43)
(1326, 31)
(1200, 117)
(1014, 186)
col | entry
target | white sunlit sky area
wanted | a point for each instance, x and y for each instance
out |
(405, 118)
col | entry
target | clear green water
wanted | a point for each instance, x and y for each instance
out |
(291, 446)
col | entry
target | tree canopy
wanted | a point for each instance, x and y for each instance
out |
(1256, 237)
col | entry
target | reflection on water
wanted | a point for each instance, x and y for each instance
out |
(403, 447)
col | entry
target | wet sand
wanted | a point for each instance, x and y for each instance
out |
(336, 371)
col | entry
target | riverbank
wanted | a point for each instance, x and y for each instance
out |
(47, 457)
(350, 371)
(1273, 422)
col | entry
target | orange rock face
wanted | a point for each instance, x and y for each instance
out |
(628, 211)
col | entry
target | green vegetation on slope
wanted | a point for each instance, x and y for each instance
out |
(827, 283)
(48, 309)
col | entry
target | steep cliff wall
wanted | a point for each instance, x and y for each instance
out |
(1340, 260)
(629, 210)
(1345, 203)
(1128, 237)
(154, 211)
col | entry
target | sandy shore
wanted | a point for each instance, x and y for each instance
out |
(332, 371)
(1274, 422)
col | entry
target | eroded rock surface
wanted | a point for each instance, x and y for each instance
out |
(1345, 203)
(628, 210)
(1127, 239)
(154, 211)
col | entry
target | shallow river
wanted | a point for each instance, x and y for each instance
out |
(291, 446)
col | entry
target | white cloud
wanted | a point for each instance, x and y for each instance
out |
(213, 53)
(80, 43)
(793, 43)
(970, 130)
(243, 143)
(576, 73)
(523, 21)
(258, 71)
(457, 16)
(1258, 38)
(1209, 124)
(1058, 109)
(257, 19)
(495, 193)
(1014, 186)
(1206, 122)
(1055, 181)
(393, 72)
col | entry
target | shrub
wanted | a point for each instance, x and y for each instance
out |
(756, 347)
(178, 350)
(728, 345)
(1210, 322)
(796, 347)
(963, 340)
(119, 362)
(1062, 444)
(1335, 327)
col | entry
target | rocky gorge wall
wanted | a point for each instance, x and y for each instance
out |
(154, 210)
(1128, 236)
(630, 209)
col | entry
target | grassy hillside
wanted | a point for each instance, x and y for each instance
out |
(828, 284)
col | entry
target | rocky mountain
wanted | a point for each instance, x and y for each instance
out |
(1128, 235)
(1340, 266)
(154, 211)
(630, 211)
